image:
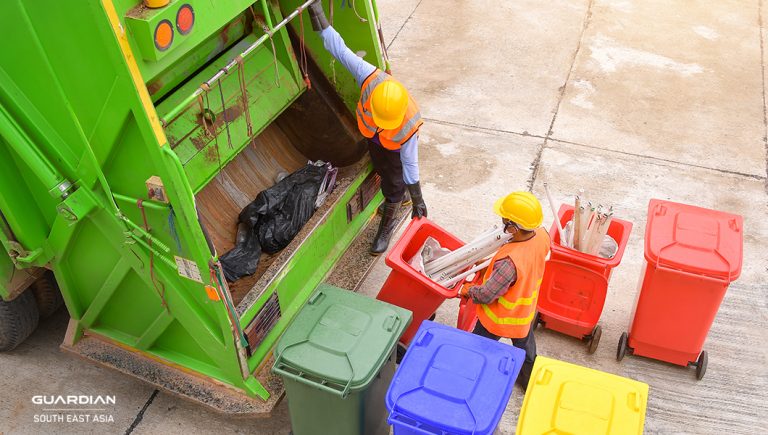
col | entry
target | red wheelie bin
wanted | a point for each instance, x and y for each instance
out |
(406, 287)
(692, 254)
(574, 286)
(467, 318)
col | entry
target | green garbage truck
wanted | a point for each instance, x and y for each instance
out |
(130, 139)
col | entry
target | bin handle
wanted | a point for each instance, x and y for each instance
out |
(696, 276)
(414, 428)
(660, 264)
(504, 365)
(580, 268)
(391, 322)
(584, 257)
(286, 370)
(424, 338)
(317, 297)
(394, 413)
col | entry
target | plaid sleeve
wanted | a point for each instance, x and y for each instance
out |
(504, 276)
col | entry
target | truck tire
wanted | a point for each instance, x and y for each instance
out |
(18, 319)
(47, 295)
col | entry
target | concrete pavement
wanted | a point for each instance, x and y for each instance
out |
(630, 100)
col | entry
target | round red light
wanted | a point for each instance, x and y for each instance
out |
(185, 19)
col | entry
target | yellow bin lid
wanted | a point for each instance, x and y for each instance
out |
(566, 398)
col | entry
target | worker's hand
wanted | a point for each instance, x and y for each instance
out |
(419, 207)
(464, 290)
(317, 16)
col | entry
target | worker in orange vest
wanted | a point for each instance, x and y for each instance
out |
(390, 120)
(506, 299)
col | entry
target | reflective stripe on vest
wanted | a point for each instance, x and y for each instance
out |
(361, 118)
(520, 301)
(511, 314)
(391, 139)
(405, 130)
(365, 121)
(508, 320)
(376, 77)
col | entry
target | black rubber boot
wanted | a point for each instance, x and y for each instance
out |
(386, 227)
(406, 201)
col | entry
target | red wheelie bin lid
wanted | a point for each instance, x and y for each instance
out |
(694, 239)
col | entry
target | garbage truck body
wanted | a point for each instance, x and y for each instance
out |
(131, 138)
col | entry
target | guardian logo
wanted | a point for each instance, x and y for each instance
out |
(74, 400)
(74, 409)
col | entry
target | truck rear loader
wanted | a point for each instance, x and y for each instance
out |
(130, 139)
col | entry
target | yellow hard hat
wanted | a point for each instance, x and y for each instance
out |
(389, 102)
(521, 208)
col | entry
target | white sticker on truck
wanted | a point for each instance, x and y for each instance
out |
(188, 269)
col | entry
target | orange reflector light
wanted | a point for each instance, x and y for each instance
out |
(185, 19)
(163, 35)
(212, 293)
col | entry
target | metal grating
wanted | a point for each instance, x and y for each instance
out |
(262, 324)
(363, 195)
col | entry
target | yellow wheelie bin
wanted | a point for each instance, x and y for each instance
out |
(566, 398)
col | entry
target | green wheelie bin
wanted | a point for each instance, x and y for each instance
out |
(337, 359)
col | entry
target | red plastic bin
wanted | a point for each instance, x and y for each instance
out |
(409, 289)
(467, 318)
(692, 254)
(574, 286)
(619, 230)
(571, 300)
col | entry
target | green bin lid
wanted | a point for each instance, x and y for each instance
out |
(339, 340)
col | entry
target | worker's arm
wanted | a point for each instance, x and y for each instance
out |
(409, 157)
(504, 275)
(333, 42)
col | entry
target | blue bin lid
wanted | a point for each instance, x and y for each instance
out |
(453, 381)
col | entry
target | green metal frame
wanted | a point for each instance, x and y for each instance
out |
(80, 136)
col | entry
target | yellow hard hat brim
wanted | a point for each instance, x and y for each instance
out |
(497, 207)
(386, 123)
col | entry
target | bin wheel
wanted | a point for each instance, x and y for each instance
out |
(400, 353)
(622, 350)
(594, 339)
(701, 365)
(537, 321)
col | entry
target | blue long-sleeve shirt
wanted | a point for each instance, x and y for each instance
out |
(360, 70)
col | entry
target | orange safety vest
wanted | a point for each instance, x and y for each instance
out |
(390, 139)
(511, 314)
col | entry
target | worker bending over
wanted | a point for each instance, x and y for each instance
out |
(390, 121)
(507, 298)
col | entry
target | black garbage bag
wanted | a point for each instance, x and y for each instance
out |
(274, 218)
(278, 213)
(243, 259)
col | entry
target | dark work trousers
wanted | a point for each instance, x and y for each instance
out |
(528, 344)
(389, 167)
